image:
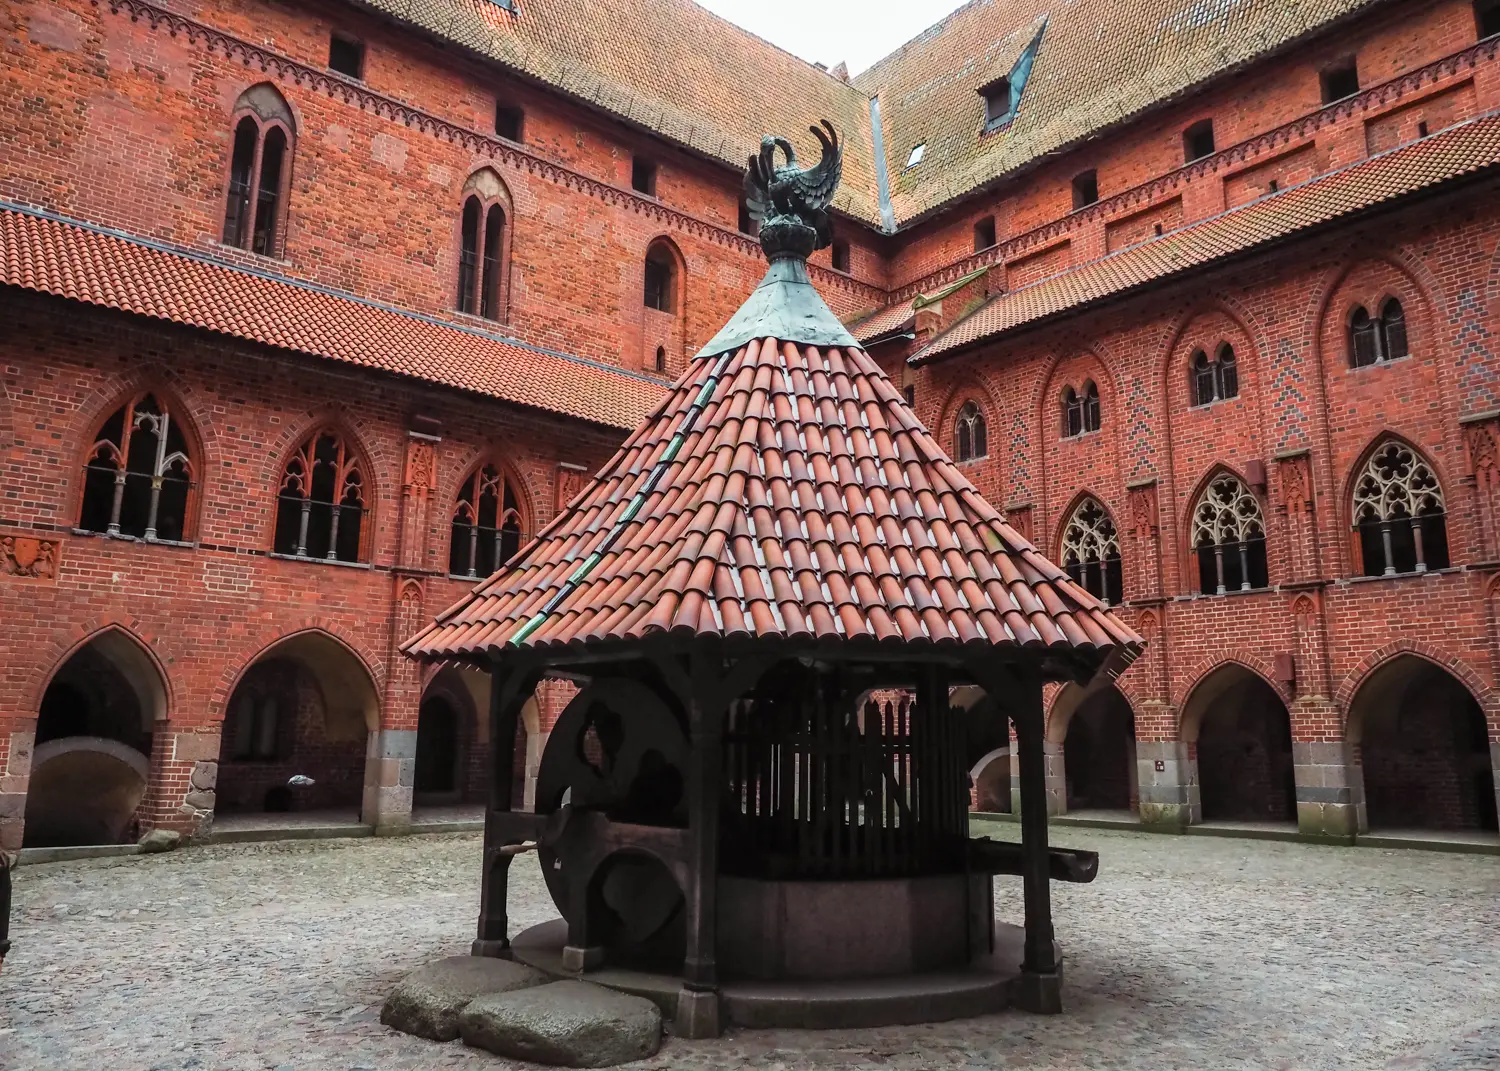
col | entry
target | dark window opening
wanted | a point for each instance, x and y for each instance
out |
(138, 477)
(468, 255)
(1422, 129)
(258, 173)
(970, 436)
(1085, 188)
(1393, 331)
(909, 392)
(660, 272)
(1374, 341)
(1229, 538)
(489, 283)
(1339, 82)
(241, 173)
(1156, 229)
(321, 507)
(1398, 509)
(996, 104)
(747, 223)
(481, 259)
(1274, 186)
(643, 176)
(1487, 16)
(840, 255)
(1091, 552)
(661, 358)
(1215, 378)
(272, 156)
(508, 122)
(486, 524)
(1198, 140)
(1081, 410)
(984, 233)
(346, 56)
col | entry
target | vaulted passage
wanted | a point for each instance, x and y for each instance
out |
(93, 745)
(1424, 748)
(453, 743)
(1244, 739)
(302, 710)
(1099, 754)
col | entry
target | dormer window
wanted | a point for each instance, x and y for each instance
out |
(1198, 141)
(997, 99)
(917, 153)
(643, 176)
(1339, 81)
(1085, 189)
(346, 56)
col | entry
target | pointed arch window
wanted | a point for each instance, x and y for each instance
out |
(1215, 378)
(321, 509)
(486, 524)
(660, 279)
(481, 258)
(139, 475)
(1229, 537)
(1091, 552)
(970, 436)
(1398, 510)
(260, 172)
(1081, 410)
(1376, 340)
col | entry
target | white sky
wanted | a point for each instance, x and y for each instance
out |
(858, 32)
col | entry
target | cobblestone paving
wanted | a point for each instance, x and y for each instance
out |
(1185, 953)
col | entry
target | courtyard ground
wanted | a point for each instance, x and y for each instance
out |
(1185, 953)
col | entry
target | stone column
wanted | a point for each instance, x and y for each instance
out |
(1330, 789)
(536, 743)
(1167, 777)
(1494, 774)
(180, 794)
(15, 775)
(390, 765)
(1055, 778)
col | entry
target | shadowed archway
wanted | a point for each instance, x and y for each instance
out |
(1243, 739)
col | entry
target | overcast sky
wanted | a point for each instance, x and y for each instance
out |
(858, 32)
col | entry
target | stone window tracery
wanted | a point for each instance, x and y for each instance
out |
(321, 506)
(260, 172)
(139, 474)
(1375, 340)
(486, 524)
(1398, 510)
(1081, 410)
(970, 436)
(1215, 378)
(1091, 552)
(481, 258)
(1229, 537)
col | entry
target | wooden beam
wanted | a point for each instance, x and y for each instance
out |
(510, 687)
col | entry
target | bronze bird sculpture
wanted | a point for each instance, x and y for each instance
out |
(790, 197)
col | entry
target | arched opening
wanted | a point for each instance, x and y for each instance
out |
(1099, 753)
(990, 781)
(138, 478)
(93, 745)
(970, 436)
(1244, 748)
(295, 731)
(439, 752)
(255, 203)
(986, 748)
(323, 503)
(1424, 749)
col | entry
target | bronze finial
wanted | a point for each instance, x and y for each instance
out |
(790, 202)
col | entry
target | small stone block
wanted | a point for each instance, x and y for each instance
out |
(1040, 994)
(492, 949)
(565, 1024)
(697, 1014)
(160, 840)
(578, 960)
(429, 1001)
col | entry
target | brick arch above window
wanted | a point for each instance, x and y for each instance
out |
(262, 145)
(142, 470)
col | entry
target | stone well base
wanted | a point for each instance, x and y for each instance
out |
(981, 988)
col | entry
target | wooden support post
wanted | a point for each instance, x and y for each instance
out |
(698, 1003)
(1039, 987)
(509, 690)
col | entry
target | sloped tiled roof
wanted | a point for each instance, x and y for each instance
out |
(1099, 62)
(42, 252)
(883, 321)
(1439, 158)
(782, 491)
(668, 65)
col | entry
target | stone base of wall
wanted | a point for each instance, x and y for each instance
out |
(1167, 777)
(1330, 790)
(390, 768)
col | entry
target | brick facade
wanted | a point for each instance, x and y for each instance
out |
(1343, 701)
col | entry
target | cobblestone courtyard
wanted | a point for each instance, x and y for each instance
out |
(1187, 952)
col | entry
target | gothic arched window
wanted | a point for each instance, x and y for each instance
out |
(970, 438)
(321, 509)
(260, 172)
(1229, 537)
(481, 257)
(139, 474)
(1081, 410)
(1374, 341)
(1215, 378)
(1091, 552)
(1398, 509)
(661, 279)
(486, 524)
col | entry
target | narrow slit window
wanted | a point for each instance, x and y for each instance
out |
(840, 255)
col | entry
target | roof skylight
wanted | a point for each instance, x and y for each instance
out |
(916, 155)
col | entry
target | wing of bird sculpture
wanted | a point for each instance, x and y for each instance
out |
(757, 185)
(817, 184)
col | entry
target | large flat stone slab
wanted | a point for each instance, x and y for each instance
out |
(428, 1001)
(567, 1024)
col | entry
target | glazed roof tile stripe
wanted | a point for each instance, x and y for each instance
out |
(90, 264)
(1438, 158)
(805, 501)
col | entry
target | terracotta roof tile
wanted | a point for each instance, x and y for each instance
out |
(1442, 157)
(42, 252)
(740, 517)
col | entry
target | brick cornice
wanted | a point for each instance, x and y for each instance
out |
(1282, 137)
(363, 97)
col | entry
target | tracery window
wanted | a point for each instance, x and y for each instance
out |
(1230, 538)
(486, 524)
(321, 509)
(1373, 341)
(481, 257)
(1081, 410)
(260, 172)
(970, 437)
(1215, 378)
(139, 474)
(1398, 509)
(1091, 552)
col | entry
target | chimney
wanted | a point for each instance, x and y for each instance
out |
(841, 72)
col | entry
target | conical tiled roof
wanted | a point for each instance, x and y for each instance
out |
(782, 490)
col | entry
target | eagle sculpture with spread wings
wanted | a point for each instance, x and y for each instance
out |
(791, 202)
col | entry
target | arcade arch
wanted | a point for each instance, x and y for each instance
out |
(1096, 728)
(1242, 734)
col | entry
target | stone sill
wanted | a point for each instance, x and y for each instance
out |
(318, 561)
(1449, 571)
(85, 533)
